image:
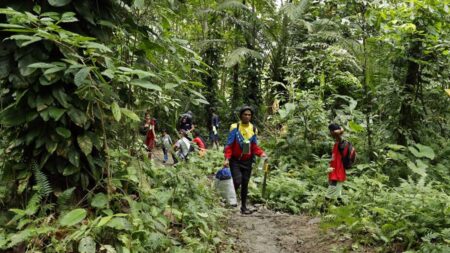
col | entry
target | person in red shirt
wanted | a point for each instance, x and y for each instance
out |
(336, 171)
(241, 146)
(200, 143)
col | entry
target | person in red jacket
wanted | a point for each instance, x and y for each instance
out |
(242, 145)
(336, 171)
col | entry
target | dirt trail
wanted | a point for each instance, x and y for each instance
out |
(266, 231)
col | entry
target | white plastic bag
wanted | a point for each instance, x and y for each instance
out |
(226, 190)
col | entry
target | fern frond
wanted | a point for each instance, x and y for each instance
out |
(33, 204)
(42, 183)
(240, 54)
(65, 197)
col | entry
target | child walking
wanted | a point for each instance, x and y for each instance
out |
(167, 147)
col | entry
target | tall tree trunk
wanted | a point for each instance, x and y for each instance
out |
(236, 96)
(408, 115)
(367, 100)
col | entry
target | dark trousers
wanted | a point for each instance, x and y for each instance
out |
(241, 172)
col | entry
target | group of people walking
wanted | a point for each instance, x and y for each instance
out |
(241, 148)
(190, 138)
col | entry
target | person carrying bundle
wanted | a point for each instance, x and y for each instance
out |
(240, 149)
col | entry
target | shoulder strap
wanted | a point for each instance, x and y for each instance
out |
(341, 150)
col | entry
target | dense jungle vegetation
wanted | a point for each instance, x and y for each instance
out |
(76, 77)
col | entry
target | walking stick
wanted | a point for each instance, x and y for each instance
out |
(266, 174)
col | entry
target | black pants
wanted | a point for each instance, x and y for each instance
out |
(241, 172)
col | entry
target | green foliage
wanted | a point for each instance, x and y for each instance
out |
(410, 214)
(164, 208)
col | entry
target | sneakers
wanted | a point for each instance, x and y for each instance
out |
(246, 211)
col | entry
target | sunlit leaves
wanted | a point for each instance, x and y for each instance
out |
(239, 55)
(116, 111)
(85, 144)
(87, 245)
(73, 217)
(100, 200)
(146, 84)
(81, 76)
(420, 151)
(130, 114)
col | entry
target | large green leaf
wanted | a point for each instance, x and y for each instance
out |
(74, 157)
(61, 96)
(81, 76)
(51, 146)
(146, 84)
(85, 144)
(104, 220)
(130, 114)
(77, 116)
(70, 170)
(64, 132)
(56, 113)
(73, 217)
(355, 126)
(120, 223)
(11, 116)
(42, 65)
(87, 245)
(59, 3)
(420, 151)
(100, 200)
(116, 111)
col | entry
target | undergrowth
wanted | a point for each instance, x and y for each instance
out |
(149, 209)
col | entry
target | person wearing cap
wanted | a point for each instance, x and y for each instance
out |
(186, 123)
(336, 171)
(241, 146)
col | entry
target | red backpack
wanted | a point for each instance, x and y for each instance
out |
(348, 154)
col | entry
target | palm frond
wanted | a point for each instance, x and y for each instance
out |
(296, 10)
(240, 54)
(232, 4)
(324, 25)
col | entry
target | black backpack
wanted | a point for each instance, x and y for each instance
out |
(348, 154)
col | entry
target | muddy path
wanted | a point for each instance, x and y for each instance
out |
(266, 231)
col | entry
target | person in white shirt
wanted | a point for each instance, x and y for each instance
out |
(183, 146)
